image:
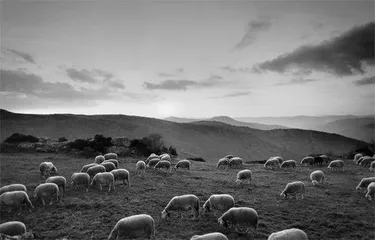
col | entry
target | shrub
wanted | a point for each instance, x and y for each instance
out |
(19, 137)
(62, 139)
(151, 144)
(197, 159)
(79, 144)
(172, 151)
(100, 143)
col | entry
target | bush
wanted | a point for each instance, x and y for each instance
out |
(172, 151)
(62, 139)
(100, 143)
(197, 159)
(151, 144)
(79, 144)
(19, 137)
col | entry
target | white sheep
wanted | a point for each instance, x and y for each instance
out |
(13, 187)
(239, 218)
(60, 182)
(222, 162)
(317, 177)
(372, 166)
(367, 161)
(78, 179)
(92, 171)
(13, 228)
(293, 188)
(141, 167)
(370, 191)
(336, 164)
(229, 156)
(280, 159)
(236, 162)
(221, 202)
(182, 203)
(114, 161)
(244, 176)
(133, 227)
(153, 162)
(272, 163)
(104, 178)
(121, 174)
(163, 164)
(86, 167)
(46, 168)
(364, 183)
(165, 157)
(210, 236)
(357, 156)
(183, 164)
(47, 191)
(99, 159)
(152, 156)
(307, 160)
(108, 166)
(289, 234)
(289, 164)
(361, 159)
(110, 156)
(15, 199)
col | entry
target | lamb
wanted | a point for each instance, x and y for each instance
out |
(289, 234)
(121, 174)
(236, 162)
(153, 162)
(60, 182)
(15, 199)
(47, 190)
(272, 163)
(114, 161)
(141, 167)
(81, 179)
(133, 227)
(110, 156)
(221, 202)
(370, 191)
(364, 183)
(289, 163)
(13, 187)
(165, 157)
(210, 236)
(13, 228)
(108, 166)
(280, 159)
(99, 159)
(307, 161)
(357, 156)
(163, 164)
(46, 168)
(294, 188)
(317, 177)
(86, 167)
(183, 164)
(336, 164)
(244, 176)
(104, 178)
(367, 161)
(240, 217)
(92, 171)
(182, 203)
(223, 162)
(372, 166)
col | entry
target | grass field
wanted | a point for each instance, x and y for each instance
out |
(334, 211)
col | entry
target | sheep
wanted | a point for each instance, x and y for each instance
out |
(223, 162)
(336, 164)
(92, 171)
(165, 157)
(293, 188)
(153, 162)
(183, 164)
(370, 191)
(357, 156)
(325, 159)
(47, 190)
(182, 203)
(152, 156)
(24, 236)
(280, 159)
(141, 167)
(229, 156)
(367, 161)
(364, 183)
(236, 162)
(108, 166)
(13, 187)
(372, 166)
(104, 178)
(121, 174)
(244, 176)
(210, 236)
(221, 202)
(239, 217)
(289, 163)
(80, 179)
(99, 159)
(163, 164)
(86, 167)
(46, 168)
(110, 156)
(307, 161)
(272, 163)
(114, 161)
(13, 228)
(15, 199)
(134, 226)
(317, 177)
(289, 234)
(60, 182)
(360, 160)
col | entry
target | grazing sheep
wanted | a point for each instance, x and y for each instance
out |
(272, 163)
(46, 168)
(81, 179)
(223, 162)
(13, 187)
(47, 190)
(114, 161)
(210, 236)
(372, 166)
(99, 159)
(364, 183)
(317, 177)
(280, 159)
(221, 202)
(104, 178)
(86, 167)
(370, 191)
(288, 164)
(152, 156)
(92, 171)
(244, 176)
(289, 234)
(325, 159)
(13, 228)
(229, 156)
(141, 167)
(360, 160)
(15, 199)
(165, 157)
(183, 164)
(239, 217)
(133, 227)
(357, 156)
(336, 164)
(60, 182)
(153, 162)
(108, 166)
(182, 203)
(307, 161)
(163, 164)
(110, 156)
(293, 188)
(235, 162)
(367, 161)
(121, 174)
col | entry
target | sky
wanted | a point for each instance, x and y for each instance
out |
(188, 58)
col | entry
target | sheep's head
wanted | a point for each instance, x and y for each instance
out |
(164, 214)
(222, 223)
(283, 194)
(206, 206)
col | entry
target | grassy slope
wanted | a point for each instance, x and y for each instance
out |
(334, 211)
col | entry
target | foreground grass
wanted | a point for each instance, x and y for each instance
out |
(334, 211)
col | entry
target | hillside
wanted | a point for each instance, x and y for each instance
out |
(206, 139)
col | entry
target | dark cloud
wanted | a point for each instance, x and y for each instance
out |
(234, 94)
(24, 56)
(115, 84)
(365, 81)
(297, 81)
(253, 28)
(234, 70)
(344, 55)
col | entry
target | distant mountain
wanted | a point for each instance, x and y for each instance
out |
(207, 139)
(183, 120)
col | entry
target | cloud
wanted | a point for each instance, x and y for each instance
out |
(24, 56)
(234, 94)
(365, 81)
(253, 28)
(166, 75)
(297, 81)
(344, 55)
(234, 70)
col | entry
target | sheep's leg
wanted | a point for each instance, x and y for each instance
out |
(44, 203)
(100, 186)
